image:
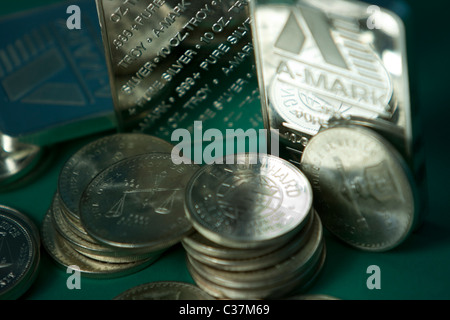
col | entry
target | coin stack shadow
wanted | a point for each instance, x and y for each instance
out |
(274, 269)
(63, 234)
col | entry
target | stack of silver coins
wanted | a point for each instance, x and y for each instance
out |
(19, 253)
(118, 206)
(257, 234)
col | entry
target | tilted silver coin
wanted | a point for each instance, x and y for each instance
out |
(164, 290)
(138, 203)
(19, 253)
(249, 201)
(396, 135)
(87, 162)
(363, 190)
(64, 255)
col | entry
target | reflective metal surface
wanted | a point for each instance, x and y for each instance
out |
(263, 260)
(65, 255)
(90, 160)
(138, 203)
(171, 60)
(19, 253)
(363, 190)
(54, 83)
(249, 201)
(17, 159)
(319, 60)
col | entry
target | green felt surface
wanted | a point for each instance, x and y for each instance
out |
(419, 269)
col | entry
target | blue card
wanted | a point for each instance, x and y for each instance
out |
(54, 82)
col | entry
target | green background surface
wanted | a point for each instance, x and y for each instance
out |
(418, 269)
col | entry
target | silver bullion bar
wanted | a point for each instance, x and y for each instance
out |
(169, 58)
(323, 60)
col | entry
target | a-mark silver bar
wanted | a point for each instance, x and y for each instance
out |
(336, 76)
(175, 61)
(347, 64)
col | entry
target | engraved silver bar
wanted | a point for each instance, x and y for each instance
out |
(175, 61)
(323, 61)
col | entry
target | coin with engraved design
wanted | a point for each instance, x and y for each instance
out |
(249, 201)
(19, 253)
(87, 162)
(363, 190)
(138, 203)
(317, 61)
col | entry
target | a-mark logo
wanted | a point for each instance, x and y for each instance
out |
(329, 57)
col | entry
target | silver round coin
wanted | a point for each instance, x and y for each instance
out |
(392, 132)
(138, 203)
(90, 160)
(249, 201)
(164, 290)
(363, 190)
(19, 253)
